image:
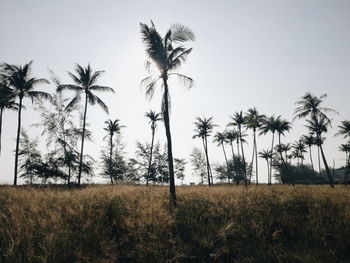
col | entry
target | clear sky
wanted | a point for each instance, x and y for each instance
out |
(265, 54)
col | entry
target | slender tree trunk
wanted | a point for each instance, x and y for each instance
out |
(223, 149)
(256, 159)
(244, 164)
(319, 160)
(233, 152)
(327, 168)
(1, 111)
(82, 141)
(150, 157)
(312, 162)
(237, 142)
(268, 170)
(110, 158)
(207, 159)
(17, 141)
(270, 178)
(169, 145)
(253, 155)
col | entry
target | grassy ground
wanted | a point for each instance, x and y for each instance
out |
(134, 224)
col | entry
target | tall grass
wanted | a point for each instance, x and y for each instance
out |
(134, 224)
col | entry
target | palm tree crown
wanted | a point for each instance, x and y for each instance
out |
(344, 129)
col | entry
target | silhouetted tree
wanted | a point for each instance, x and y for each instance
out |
(23, 85)
(309, 141)
(180, 169)
(267, 155)
(167, 54)
(220, 138)
(85, 83)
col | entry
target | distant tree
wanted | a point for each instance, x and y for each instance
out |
(309, 140)
(153, 119)
(197, 159)
(270, 124)
(238, 120)
(267, 155)
(203, 130)
(231, 136)
(180, 169)
(253, 121)
(168, 54)
(85, 83)
(283, 126)
(7, 101)
(23, 85)
(319, 125)
(346, 149)
(112, 127)
(344, 129)
(220, 138)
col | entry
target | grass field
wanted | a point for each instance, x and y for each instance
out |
(125, 223)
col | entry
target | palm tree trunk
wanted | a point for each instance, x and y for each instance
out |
(82, 141)
(228, 176)
(150, 157)
(270, 178)
(1, 111)
(256, 159)
(237, 141)
(327, 168)
(207, 159)
(312, 162)
(17, 141)
(319, 160)
(110, 158)
(252, 162)
(233, 152)
(168, 136)
(268, 170)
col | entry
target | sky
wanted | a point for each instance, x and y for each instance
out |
(265, 54)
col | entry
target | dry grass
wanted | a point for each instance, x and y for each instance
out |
(134, 224)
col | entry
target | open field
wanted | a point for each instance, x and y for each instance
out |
(133, 224)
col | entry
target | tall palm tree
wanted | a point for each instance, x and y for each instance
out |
(270, 124)
(253, 120)
(7, 101)
(299, 148)
(267, 155)
(285, 148)
(23, 85)
(153, 118)
(309, 140)
(204, 128)
(283, 126)
(238, 120)
(346, 149)
(319, 125)
(167, 54)
(112, 127)
(220, 138)
(310, 105)
(85, 83)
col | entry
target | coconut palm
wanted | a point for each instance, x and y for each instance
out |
(285, 148)
(319, 125)
(23, 85)
(283, 126)
(231, 136)
(299, 148)
(112, 127)
(309, 140)
(270, 124)
(7, 101)
(85, 81)
(238, 120)
(167, 54)
(220, 138)
(267, 155)
(153, 118)
(204, 128)
(344, 129)
(253, 121)
(346, 149)
(310, 105)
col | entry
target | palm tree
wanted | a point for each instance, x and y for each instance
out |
(220, 138)
(270, 124)
(319, 125)
(344, 129)
(7, 101)
(310, 105)
(23, 85)
(346, 149)
(112, 127)
(283, 126)
(267, 155)
(285, 148)
(204, 128)
(309, 140)
(153, 118)
(253, 120)
(231, 136)
(299, 148)
(238, 120)
(85, 83)
(167, 55)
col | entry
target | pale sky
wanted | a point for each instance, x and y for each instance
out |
(265, 54)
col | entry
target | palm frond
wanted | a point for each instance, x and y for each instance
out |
(69, 87)
(184, 80)
(181, 33)
(149, 84)
(74, 78)
(101, 88)
(101, 103)
(74, 101)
